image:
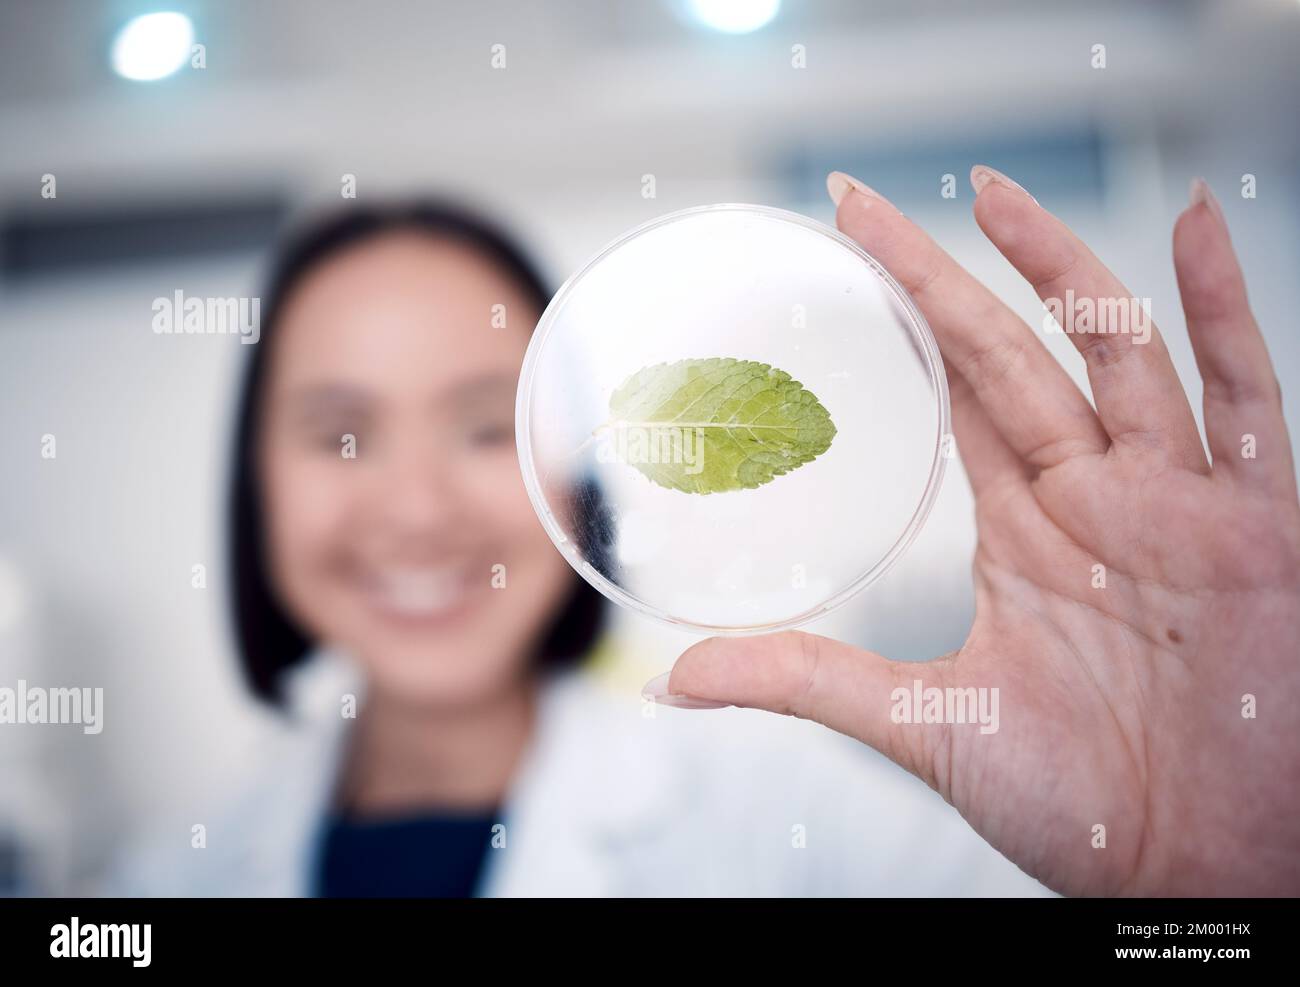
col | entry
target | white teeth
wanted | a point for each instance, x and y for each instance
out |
(420, 592)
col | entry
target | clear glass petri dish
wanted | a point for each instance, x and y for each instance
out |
(745, 283)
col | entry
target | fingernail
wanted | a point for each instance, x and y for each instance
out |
(1201, 192)
(838, 185)
(982, 175)
(656, 690)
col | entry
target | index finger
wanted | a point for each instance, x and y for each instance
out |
(1029, 397)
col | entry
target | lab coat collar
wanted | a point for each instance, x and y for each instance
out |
(595, 782)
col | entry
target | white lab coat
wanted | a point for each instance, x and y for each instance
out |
(615, 797)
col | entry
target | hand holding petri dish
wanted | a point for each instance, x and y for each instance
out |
(732, 419)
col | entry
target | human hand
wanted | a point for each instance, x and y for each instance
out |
(1130, 596)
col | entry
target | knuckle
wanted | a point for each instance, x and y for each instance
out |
(807, 648)
(994, 361)
(923, 282)
(1046, 284)
(1238, 389)
(1103, 350)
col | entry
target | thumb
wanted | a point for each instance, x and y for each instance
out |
(815, 678)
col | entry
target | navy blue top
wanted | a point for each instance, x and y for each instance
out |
(431, 855)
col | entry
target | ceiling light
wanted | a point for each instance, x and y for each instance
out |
(733, 16)
(152, 46)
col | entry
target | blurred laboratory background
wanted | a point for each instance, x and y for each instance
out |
(176, 176)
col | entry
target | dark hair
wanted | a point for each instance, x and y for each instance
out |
(268, 639)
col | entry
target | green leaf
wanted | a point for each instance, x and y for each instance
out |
(712, 425)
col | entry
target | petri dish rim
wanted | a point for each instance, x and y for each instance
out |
(929, 349)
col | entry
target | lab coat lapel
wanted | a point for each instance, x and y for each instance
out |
(595, 785)
(300, 806)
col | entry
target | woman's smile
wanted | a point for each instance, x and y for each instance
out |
(423, 595)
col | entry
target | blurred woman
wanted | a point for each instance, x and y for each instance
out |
(399, 603)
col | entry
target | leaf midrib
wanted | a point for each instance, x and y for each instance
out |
(677, 424)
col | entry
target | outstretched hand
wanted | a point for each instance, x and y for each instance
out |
(1137, 602)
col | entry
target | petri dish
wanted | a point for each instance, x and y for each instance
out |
(749, 313)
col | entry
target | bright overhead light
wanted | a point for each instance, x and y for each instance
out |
(152, 46)
(733, 16)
